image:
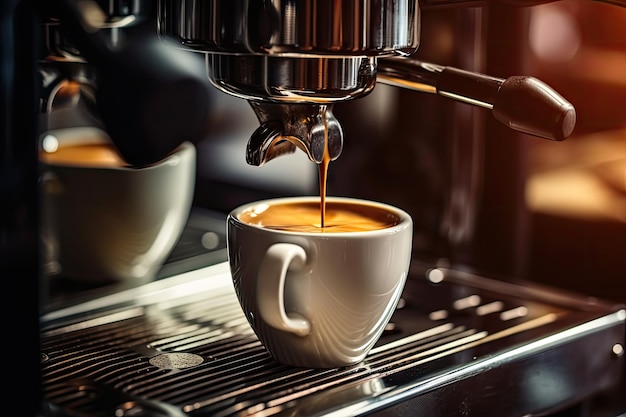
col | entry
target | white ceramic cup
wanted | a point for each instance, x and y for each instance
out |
(113, 223)
(318, 300)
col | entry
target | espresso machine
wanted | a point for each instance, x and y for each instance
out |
(460, 343)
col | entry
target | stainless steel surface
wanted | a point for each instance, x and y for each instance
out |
(294, 40)
(275, 78)
(287, 28)
(182, 346)
(68, 83)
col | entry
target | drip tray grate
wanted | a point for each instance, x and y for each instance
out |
(182, 346)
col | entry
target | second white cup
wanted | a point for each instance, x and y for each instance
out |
(104, 221)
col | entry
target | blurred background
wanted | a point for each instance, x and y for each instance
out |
(576, 192)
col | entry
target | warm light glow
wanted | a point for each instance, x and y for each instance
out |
(492, 307)
(576, 193)
(259, 209)
(438, 315)
(93, 16)
(554, 35)
(514, 313)
(50, 143)
(466, 302)
(210, 240)
(435, 275)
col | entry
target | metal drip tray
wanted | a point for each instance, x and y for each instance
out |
(458, 344)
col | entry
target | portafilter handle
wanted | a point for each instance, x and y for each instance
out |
(522, 103)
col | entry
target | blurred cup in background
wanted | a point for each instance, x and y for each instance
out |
(106, 221)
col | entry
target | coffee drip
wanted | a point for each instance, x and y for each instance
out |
(323, 174)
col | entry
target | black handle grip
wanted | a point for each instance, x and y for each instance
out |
(528, 105)
(523, 103)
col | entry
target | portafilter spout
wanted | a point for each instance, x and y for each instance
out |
(293, 99)
(284, 128)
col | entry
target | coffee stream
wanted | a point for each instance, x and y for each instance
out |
(323, 173)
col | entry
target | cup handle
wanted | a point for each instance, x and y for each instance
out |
(278, 259)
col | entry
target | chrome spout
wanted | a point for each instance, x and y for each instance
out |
(284, 128)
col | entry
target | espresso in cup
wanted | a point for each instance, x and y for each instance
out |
(318, 297)
(103, 220)
(340, 217)
(91, 154)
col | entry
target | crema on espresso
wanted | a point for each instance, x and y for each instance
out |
(305, 217)
(101, 155)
